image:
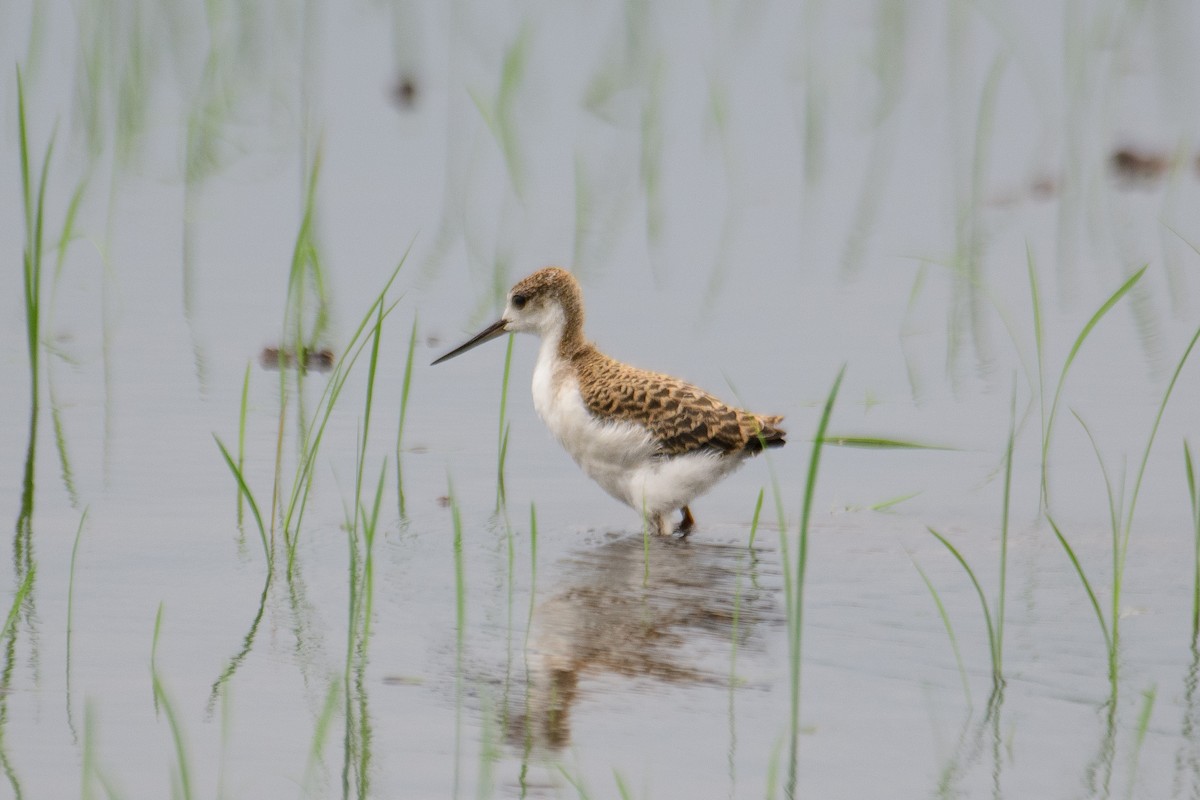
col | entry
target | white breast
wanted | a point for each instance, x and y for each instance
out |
(611, 452)
(619, 455)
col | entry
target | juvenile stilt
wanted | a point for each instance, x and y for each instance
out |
(650, 440)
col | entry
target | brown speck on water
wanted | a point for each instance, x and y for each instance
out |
(404, 91)
(1133, 166)
(319, 360)
(315, 360)
(1043, 187)
(402, 680)
(444, 501)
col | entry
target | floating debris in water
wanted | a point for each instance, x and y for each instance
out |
(403, 680)
(1133, 166)
(316, 360)
(1043, 187)
(404, 91)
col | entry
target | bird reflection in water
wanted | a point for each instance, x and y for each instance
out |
(663, 609)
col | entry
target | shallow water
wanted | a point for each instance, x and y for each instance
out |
(752, 197)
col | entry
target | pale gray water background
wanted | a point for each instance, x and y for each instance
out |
(748, 193)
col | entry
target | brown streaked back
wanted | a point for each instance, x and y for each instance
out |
(680, 418)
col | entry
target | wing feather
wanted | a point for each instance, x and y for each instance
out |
(679, 417)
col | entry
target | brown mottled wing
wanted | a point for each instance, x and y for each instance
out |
(680, 417)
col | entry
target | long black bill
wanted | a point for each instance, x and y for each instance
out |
(485, 335)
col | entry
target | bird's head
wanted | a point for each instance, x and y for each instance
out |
(543, 303)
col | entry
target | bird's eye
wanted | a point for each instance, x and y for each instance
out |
(518, 301)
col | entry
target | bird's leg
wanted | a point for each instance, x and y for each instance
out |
(688, 522)
(662, 525)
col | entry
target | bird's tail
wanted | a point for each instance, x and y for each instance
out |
(763, 432)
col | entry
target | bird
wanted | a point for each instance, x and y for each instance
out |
(650, 440)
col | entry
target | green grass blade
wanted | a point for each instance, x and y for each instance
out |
(66, 471)
(22, 592)
(500, 491)
(241, 459)
(502, 434)
(372, 366)
(777, 496)
(533, 537)
(1039, 348)
(885, 505)
(176, 727)
(1087, 585)
(1062, 378)
(320, 734)
(164, 703)
(877, 443)
(1195, 500)
(781, 523)
(306, 266)
(576, 783)
(23, 150)
(754, 520)
(796, 622)
(773, 769)
(373, 519)
(1162, 407)
(622, 786)
(372, 526)
(71, 613)
(1143, 725)
(235, 662)
(485, 113)
(511, 75)
(1008, 462)
(278, 515)
(1118, 566)
(941, 607)
(244, 490)
(315, 428)
(408, 365)
(34, 206)
(987, 614)
(67, 235)
(1113, 509)
(1191, 477)
(500, 117)
(40, 216)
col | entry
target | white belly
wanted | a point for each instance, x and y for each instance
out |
(620, 456)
